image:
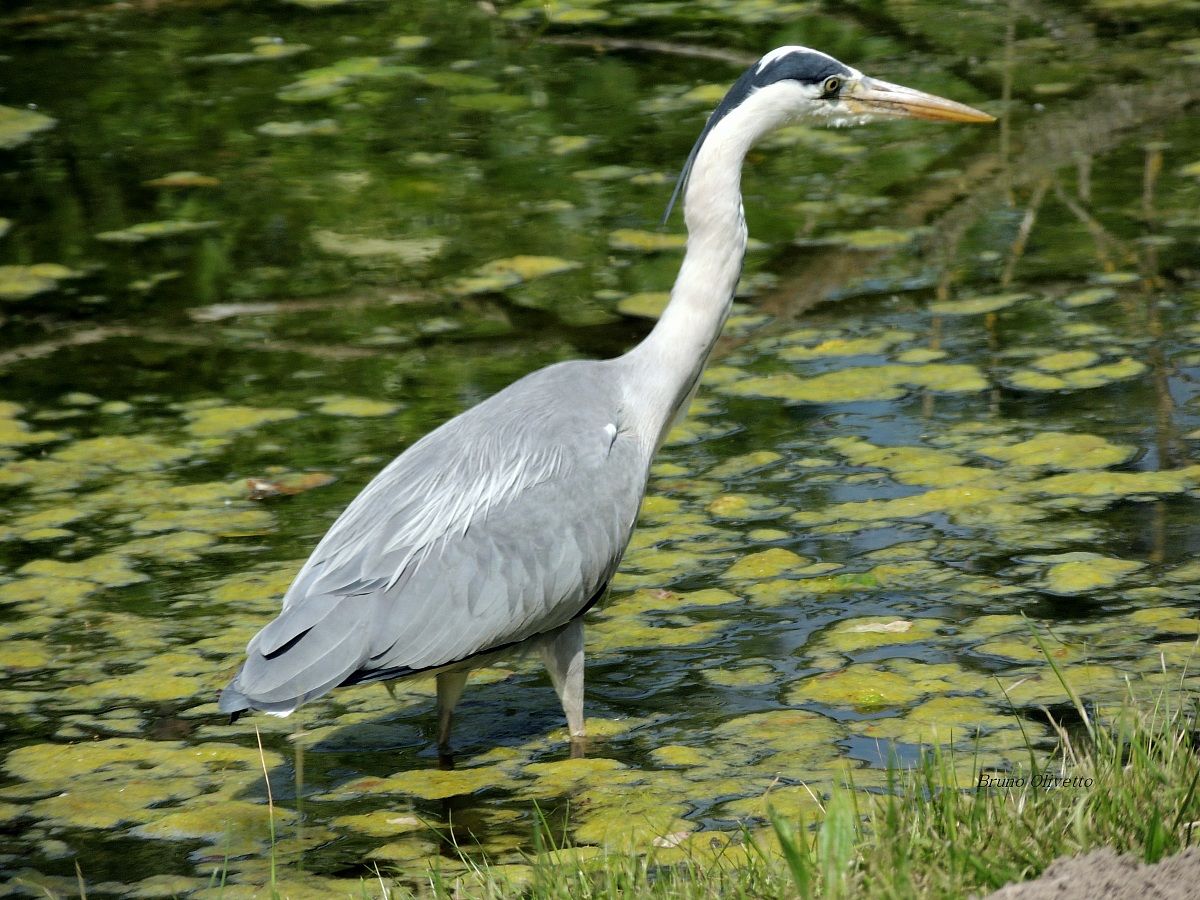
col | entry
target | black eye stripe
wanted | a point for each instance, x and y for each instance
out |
(809, 68)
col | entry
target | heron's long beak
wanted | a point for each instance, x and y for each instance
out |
(872, 97)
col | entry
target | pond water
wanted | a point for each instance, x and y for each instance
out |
(248, 252)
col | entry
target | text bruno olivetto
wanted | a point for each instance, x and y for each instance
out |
(1038, 781)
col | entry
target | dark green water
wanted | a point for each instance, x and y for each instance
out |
(961, 388)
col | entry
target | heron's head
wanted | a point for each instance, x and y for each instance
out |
(792, 84)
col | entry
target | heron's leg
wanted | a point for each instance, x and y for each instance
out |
(449, 688)
(562, 652)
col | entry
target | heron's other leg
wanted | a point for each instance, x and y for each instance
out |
(562, 652)
(449, 689)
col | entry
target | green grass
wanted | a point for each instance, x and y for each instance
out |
(933, 833)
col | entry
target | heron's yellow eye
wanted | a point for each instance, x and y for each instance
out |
(832, 85)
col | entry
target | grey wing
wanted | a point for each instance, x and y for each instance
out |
(502, 524)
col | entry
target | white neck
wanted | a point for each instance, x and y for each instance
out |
(664, 368)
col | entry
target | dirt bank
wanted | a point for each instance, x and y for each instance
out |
(1103, 875)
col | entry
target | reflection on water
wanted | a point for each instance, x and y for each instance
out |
(247, 255)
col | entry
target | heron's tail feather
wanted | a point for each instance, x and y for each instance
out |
(300, 656)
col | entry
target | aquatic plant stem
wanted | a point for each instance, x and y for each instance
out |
(270, 808)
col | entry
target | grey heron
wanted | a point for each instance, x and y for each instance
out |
(503, 527)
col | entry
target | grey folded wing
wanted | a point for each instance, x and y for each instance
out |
(502, 524)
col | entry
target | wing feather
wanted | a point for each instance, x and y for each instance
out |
(501, 524)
